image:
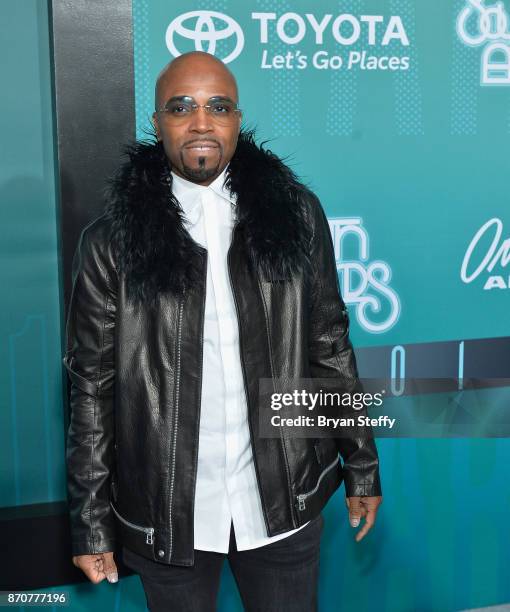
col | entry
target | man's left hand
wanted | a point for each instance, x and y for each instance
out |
(360, 507)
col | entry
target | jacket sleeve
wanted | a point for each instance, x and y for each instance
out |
(332, 356)
(89, 359)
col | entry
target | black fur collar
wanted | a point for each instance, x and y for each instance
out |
(155, 251)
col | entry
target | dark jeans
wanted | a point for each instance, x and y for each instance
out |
(278, 577)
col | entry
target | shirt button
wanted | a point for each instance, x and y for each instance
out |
(161, 553)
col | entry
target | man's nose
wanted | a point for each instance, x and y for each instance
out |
(201, 120)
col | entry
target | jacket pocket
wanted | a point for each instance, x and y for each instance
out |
(148, 531)
(302, 497)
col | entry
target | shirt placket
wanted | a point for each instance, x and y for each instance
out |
(218, 228)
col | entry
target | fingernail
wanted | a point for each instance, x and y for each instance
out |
(355, 522)
(113, 577)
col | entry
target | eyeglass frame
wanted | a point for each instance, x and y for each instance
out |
(196, 106)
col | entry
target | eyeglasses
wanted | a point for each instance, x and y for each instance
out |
(179, 109)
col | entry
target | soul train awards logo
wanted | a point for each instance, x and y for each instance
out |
(220, 35)
(484, 26)
(486, 251)
(364, 283)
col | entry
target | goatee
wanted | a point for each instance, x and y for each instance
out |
(200, 173)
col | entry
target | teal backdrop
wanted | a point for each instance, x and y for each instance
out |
(398, 117)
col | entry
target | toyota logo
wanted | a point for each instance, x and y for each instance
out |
(203, 31)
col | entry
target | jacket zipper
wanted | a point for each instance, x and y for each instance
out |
(257, 473)
(304, 496)
(285, 459)
(149, 531)
(176, 421)
(201, 373)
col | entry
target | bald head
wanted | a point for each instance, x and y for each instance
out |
(196, 66)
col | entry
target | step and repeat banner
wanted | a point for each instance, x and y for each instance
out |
(397, 114)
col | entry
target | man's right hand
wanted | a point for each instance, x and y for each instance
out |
(97, 567)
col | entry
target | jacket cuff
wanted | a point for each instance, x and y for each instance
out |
(92, 546)
(367, 486)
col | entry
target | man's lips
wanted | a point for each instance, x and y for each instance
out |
(201, 146)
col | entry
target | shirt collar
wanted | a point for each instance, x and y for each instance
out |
(188, 193)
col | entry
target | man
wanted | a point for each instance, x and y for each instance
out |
(211, 268)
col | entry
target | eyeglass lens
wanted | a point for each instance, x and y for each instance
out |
(223, 110)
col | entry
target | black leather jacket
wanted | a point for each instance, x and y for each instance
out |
(134, 354)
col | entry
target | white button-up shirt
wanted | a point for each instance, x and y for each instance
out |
(226, 488)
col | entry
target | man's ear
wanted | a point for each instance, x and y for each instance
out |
(155, 123)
